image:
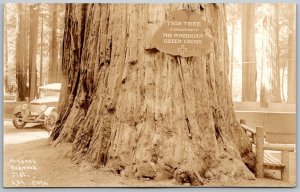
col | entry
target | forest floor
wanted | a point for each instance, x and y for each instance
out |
(31, 161)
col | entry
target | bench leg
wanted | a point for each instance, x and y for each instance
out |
(285, 170)
(259, 152)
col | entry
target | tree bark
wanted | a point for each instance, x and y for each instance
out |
(53, 75)
(143, 113)
(21, 66)
(291, 98)
(34, 12)
(249, 74)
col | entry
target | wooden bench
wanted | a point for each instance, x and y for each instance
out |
(262, 150)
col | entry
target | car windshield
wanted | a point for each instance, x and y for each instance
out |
(50, 90)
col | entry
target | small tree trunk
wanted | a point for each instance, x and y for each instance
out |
(34, 12)
(276, 88)
(270, 88)
(292, 56)
(26, 53)
(21, 72)
(5, 51)
(41, 51)
(144, 113)
(282, 84)
(232, 52)
(60, 21)
(53, 75)
(248, 54)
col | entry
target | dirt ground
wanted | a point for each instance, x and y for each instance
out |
(31, 161)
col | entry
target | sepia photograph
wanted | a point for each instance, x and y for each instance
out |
(149, 95)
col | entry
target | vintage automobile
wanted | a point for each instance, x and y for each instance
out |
(41, 110)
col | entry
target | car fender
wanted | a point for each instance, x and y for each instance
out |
(19, 109)
(49, 110)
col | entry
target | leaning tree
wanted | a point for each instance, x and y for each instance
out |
(144, 113)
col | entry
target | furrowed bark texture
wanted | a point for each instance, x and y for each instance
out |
(144, 113)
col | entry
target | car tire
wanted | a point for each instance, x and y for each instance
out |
(51, 120)
(19, 124)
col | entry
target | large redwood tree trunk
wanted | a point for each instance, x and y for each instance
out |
(144, 113)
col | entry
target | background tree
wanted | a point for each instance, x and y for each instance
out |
(60, 32)
(27, 56)
(275, 81)
(292, 55)
(21, 66)
(26, 50)
(41, 48)
(127, 106)
(270, 70)
(248, 53)
(5, 51)
(53, 75)
(33, 36)
(233, 17)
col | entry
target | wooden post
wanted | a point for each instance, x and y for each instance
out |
(259, 152)
(285, 169)
(243, 121)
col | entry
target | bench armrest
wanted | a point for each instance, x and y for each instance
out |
(245, 127)
(279, 147)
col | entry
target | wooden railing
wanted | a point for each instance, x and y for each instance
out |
(264, 159)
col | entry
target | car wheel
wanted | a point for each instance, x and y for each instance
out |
(51, 120)
(17, 121)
